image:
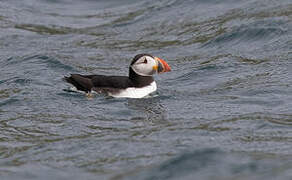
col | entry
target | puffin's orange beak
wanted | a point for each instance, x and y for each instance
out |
(162, 66)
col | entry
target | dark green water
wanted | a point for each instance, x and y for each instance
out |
(224, 112)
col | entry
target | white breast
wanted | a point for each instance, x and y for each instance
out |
(135, 92)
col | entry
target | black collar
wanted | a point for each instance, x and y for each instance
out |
(138, 80)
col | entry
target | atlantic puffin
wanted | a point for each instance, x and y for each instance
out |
(138, 84)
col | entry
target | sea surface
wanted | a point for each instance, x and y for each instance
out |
(223, 112)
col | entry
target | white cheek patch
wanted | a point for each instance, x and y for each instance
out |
(141, 70)
(144, 69)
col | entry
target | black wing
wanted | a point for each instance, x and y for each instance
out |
(87, 82)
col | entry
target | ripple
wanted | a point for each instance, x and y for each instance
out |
(254, 32)
(208, 163)
(41, 29)
(8, 102)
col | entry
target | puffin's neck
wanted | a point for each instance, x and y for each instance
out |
(138, 80)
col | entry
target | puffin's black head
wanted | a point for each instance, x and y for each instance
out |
(138, 56)
(147, 65)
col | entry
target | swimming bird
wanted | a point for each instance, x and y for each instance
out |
(138, 84)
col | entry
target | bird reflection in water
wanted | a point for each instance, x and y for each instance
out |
(151, 110)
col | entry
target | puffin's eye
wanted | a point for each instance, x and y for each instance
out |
(145, 61)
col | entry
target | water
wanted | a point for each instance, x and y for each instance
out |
(224, 111)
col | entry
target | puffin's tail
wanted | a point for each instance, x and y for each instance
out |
(82, 83)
